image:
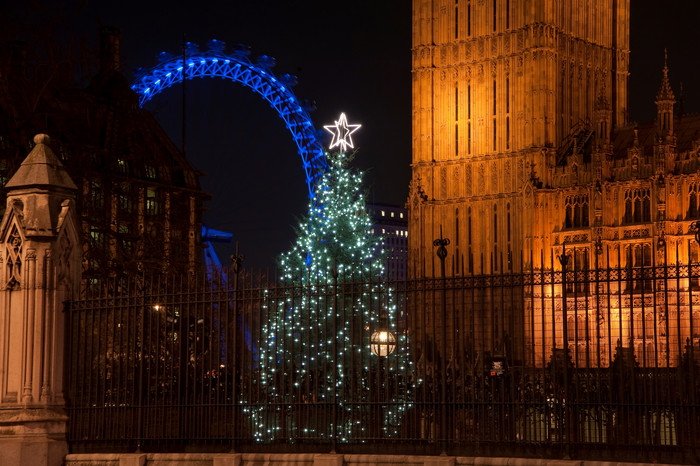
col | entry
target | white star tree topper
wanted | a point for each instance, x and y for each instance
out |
(341, 132)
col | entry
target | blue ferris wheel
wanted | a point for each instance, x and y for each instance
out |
(237, 67)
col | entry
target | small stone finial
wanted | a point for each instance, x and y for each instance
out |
(42, 138)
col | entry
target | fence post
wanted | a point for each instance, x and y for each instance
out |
(442, 254)
(39, 270)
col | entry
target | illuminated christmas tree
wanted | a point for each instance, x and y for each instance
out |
(333, 343)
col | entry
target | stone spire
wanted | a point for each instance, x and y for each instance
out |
(665, 92)
(664, 103)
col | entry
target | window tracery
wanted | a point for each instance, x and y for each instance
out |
(637, 205)
(13, 252)
(577, 212)
(693, 211)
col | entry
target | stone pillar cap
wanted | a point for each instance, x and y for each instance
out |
(41, 168)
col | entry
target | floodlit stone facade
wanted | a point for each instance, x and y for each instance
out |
(522, 152)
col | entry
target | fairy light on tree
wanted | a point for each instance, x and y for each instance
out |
(319, 338)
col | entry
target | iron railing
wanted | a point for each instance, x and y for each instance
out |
(586, 363)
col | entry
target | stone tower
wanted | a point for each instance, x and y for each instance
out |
(503, 91)
(40, 254)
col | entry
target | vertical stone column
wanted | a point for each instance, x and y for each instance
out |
(39, 270)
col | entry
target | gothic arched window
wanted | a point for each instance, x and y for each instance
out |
(637, 205)
(692, 201)
(576, 211)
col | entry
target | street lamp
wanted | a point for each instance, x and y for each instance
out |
(382, 343)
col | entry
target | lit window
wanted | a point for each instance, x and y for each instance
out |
(152, 204)
(383, 231)
(125, 202)
(401, 215)
(383, 214)
(392, 214)
(96, 236)
(150, 172)
(96, 195)
(123, 166)
(372, 231)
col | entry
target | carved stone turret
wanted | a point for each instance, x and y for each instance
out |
(664, 104)
(603, 118)
(39, 270)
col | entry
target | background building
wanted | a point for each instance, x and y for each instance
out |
(522, 152)
(391, 224)
(139, 200)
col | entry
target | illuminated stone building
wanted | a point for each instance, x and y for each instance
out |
(139, 200)
(522, 149)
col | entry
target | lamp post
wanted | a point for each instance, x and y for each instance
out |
(442, 254)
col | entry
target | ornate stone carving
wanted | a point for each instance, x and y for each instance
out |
(507, 176)
(482, 178)
(468, 179)
(416, 192)
(455, 181)
(494, 177)
(636, 233)
(443, 183)
(13, 252)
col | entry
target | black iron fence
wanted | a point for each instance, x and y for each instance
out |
(586, 363)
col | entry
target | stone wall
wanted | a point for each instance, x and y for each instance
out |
(310, 459)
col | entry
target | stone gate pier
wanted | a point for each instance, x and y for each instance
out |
(39, 269)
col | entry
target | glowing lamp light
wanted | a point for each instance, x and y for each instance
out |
(382, 343)
(341, 132)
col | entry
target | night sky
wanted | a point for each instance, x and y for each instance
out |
(349, 56)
